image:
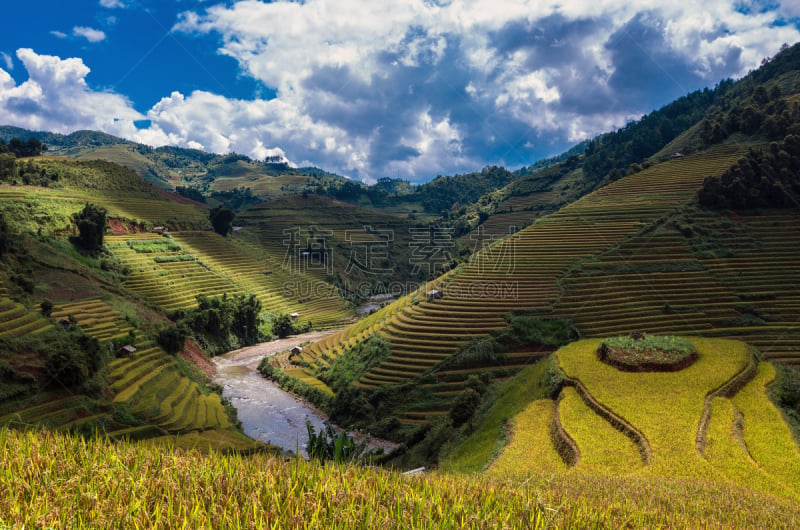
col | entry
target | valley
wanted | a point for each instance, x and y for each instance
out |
(606, 338)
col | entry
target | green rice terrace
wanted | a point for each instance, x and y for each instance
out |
(153, 394)
(533, 270)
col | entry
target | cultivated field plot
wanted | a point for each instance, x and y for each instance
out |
(522, 271)
(686, 424)
(149, 382)
(16, 320)
(741, 282)
(173, 271)
(56, 205)
(261, 273)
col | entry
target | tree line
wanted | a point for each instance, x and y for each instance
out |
(761, 179)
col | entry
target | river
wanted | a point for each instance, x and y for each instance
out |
(266, 411)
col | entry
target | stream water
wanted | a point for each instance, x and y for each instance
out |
(267, 413)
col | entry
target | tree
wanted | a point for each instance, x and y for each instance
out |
(73, 360)
(283, 326)
(7, 237)
(221, 219)
(246, 318)
(8, 166)
(91, 223)
(464, 407)
(172, 338)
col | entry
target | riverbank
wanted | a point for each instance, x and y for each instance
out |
(267, 412)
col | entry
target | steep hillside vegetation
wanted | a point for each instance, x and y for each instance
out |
(67, 308)
(521, 272)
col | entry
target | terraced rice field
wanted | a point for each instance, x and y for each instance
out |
(522, 271)
(16, 320)
(746, 286)
(744, 438)
(150, 382)
(95, 318)
(172, 272)
(352, 241)
(133, 205)
(262, 274)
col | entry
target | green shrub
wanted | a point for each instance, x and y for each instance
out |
(46, 307)
(172, 338)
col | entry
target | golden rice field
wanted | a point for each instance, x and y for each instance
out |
(52, 480)
(150, 383)
(745, 440)
(203, 263)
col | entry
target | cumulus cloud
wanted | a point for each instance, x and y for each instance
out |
(56, 97)
(417, 86)
(422, 87)
(112, 4)
(90, 34)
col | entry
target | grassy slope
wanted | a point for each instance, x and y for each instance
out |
(530, 265)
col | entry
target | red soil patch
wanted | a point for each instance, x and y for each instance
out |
(192, 353)
(117, 228)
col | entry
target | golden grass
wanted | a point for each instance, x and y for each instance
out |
(54, 480)
(726, 449)
(766, 433)
(665, 406)
(51, 480)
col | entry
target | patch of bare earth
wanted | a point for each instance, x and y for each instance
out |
(194, 354)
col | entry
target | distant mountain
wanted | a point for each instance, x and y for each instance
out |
(171, 167)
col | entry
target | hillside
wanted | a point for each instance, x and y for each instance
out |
(172, 167)
(472, 363)
(66, 311)
(522, 272)
(642, 252)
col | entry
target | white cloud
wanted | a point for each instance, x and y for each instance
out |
(58, 34)
(7, 61)
(90, 34)
(416, 87)
(56, 97)
(329, 60)
(112, 4)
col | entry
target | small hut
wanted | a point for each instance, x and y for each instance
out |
(126, 351)
(294, 315)
(435, 294)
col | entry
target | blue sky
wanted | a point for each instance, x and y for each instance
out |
(410, 88)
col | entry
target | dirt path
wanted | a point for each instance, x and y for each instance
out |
(254, 354)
